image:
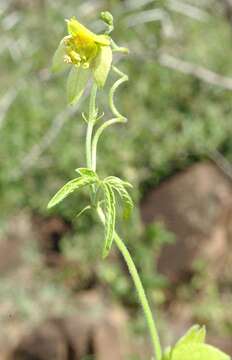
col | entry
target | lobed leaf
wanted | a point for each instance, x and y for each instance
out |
(76, 83)
(117, 180)
(119, 185)
(68, 188)
(197, 351)
(88, 207)
(110, 215)
(192, 347)
(196, 334)
(167, 354)
(87, 172)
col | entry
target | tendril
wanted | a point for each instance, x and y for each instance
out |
(119, 118)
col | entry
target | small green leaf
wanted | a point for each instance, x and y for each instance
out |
(58, 63)
(116, 179)
(77, 81)
(110, 218)
(197, 351)
(102, 65)
(119, 185)
(68, 188)
(88, 207)
(87, 172)
(195, 334)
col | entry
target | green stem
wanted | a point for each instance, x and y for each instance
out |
(119, 118)
(140, 290)
(91, 121)
(92, 104)
(88, 144)
(97, 136)
(91, 150)
(121, 80)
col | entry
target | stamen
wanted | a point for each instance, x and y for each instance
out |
(75, 56)
(67, 59)
(85, 65)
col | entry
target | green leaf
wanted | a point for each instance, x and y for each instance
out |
(58, 63)
(68, 188)
(195, 334)
(77, 81)
(119, 185)
(192, 347)
(110, 218)
(197, 351)
(102, 65)
(88, 207)
(118, 180)
(87, 172)
(167, 354)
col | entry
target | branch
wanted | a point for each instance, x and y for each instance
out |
(221, 162)
(198, 71)
(6, 102)
(188, 10)
(136, 4)
(147, 16)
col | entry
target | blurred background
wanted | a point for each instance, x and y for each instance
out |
(58, 299)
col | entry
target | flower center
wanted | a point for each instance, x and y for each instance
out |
(80, 50)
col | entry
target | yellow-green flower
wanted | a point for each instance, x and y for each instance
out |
(87, 53)
(82, 45)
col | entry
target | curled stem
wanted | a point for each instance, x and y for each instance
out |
(119, 118)
(121, 80)
(119, 49)
(97, 136)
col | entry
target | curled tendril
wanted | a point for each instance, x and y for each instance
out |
(118, 117)
(121, 80)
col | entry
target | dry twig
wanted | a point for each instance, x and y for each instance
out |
(198, 71)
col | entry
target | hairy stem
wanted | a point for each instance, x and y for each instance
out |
(91, 120)
(139, 288)
(88, 144)
(92, 104)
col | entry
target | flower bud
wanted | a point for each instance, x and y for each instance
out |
(107, 17)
